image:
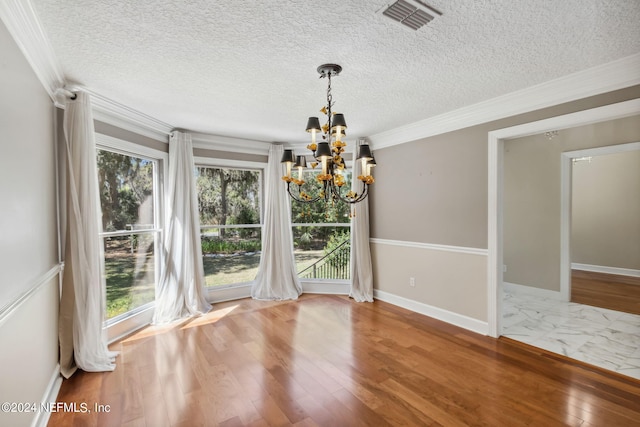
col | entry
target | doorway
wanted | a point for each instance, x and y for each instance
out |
(495, 195)
(597, 184)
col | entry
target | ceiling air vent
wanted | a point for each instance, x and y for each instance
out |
(410, 13)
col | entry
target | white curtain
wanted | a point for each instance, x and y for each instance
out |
(82, 340)
(361, 270)
(180, 292)
(277, 278)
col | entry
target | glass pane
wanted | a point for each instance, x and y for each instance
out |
(230, 255)
(228, 196)
(129, 272)
(322, 252)
(126, 191)
(320, 211)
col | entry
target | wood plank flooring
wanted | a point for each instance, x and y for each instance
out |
(620, 293)
(325, 360)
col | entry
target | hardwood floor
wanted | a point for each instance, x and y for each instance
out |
(620, 293)
(325, 360)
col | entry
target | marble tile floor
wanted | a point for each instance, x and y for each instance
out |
(598, 336)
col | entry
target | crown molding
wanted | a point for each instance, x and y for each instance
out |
(24, 26)
(592, 81)
(229, 144)
(123, 117)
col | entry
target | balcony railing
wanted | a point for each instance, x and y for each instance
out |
(334, 265)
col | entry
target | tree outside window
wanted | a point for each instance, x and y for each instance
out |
(130, 233)
(229, 207)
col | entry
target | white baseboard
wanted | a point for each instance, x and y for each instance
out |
(50, 395)
(605, 269)
(529, 290)
(456, 319)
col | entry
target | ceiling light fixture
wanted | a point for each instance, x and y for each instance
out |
(328, 152)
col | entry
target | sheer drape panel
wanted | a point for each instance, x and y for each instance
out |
(361, 269)
(180, 292)
(277, 278)
(82, 340)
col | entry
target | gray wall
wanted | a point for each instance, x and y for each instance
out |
(28, 236)
(433, 191)
(605, 219)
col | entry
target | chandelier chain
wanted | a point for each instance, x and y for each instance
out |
(329, 100)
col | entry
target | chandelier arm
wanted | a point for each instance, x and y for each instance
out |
(297, 198)
(360, 197)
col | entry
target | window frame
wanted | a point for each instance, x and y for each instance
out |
(123, 323)
(349, 168)
(214, 162)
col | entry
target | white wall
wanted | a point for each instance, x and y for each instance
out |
(28, 237)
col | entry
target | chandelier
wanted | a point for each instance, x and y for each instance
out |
(328, 153)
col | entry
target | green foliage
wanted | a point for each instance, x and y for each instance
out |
(319, 212)
(337, 249)
(247, 215)
(228, 196)
(220, 246)
(125, 183)
(304, 242)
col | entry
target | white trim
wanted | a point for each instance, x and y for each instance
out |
(321, 224)
(50, 396)
(130, 148)
(602, 151)
(129, 324)
(565, 204)
(123, 117)
(495, 236)
(227, 163)
(325, 287)
(496, 148)
(25, 28)
(604, 269)
(8, 309)
(432, 246)
(456, 319)
(229, 144)
(514, 288)
(228, 293)
(565, 226)
(592, 81)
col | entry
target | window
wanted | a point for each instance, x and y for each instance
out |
(129, 186)
(229, 202)
(321, 235)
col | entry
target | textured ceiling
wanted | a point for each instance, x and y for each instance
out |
(248, 69)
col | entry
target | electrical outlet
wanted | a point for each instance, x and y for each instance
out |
(412, 281)
(504, 268)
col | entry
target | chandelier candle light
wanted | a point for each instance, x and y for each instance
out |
(328, 153)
